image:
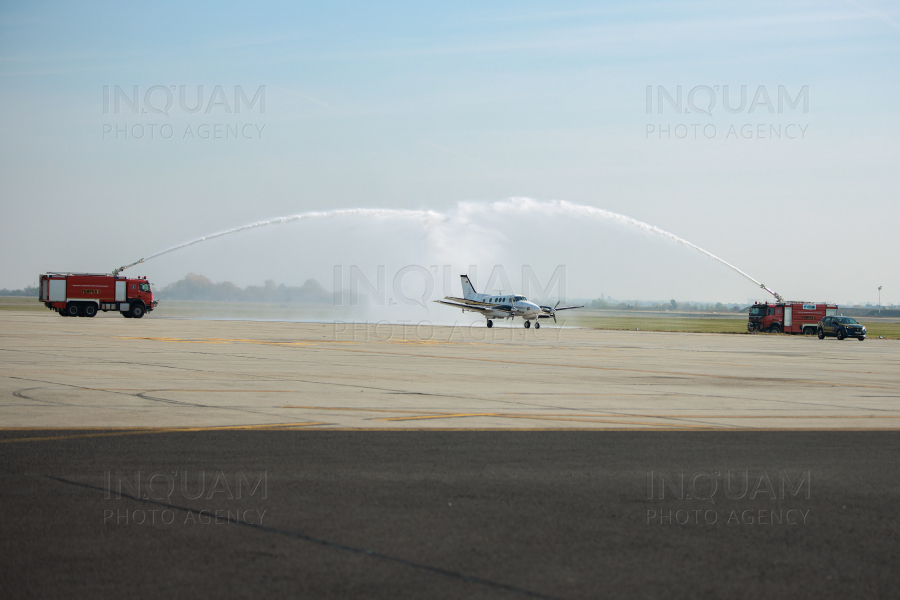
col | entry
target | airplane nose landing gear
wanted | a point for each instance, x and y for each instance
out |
(537, 325)
(527, 324)
(490, 323)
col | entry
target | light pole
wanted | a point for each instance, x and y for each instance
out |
(879, 299)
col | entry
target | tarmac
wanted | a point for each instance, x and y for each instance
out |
(235, 459)
(112, 372)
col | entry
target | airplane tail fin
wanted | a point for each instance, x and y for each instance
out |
(468, 291)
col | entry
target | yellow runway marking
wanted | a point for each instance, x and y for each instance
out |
(545, 418)
(706, 362)
(527, 364)
(585, 418)
(217, 341)
(436, 416)
(774, 416)
(555, 394)
(683, 374)
(453, 429)
(603, 414)
(179, 390)
(560, 417)
(390, 410)
(603, 429)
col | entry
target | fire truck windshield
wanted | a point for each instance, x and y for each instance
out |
(757, 311)
(144, 287)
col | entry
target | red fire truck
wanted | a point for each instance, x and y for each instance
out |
(83, 294)
(788, 317)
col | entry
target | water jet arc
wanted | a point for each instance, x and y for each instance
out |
(501, 207)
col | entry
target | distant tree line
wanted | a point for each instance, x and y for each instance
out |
(30, 291)
(610, 304)
(198, 287)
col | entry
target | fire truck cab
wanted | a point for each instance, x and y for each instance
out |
(788, 317)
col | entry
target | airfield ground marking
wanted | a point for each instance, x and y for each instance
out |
(683, 374)
(542, 418)
(182, 390)
(217, 341)
(326, 427)
(711, 428)
(562, 417)
(513, 362)
(601, 413)
(132, 431)
(444, 415)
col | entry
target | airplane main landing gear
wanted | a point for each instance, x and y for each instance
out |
(527, 324)
(490, 323)
(537, 325)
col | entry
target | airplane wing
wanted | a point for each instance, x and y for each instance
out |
(472, 305)
(464, 301)
(549, 312)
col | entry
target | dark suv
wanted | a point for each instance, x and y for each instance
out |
(841, 327)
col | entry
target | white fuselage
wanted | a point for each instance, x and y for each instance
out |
(519, 305)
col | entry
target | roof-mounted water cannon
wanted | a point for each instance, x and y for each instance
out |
(116, 272)
(776, 294)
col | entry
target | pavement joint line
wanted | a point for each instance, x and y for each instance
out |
(326, 543)
(152, 430)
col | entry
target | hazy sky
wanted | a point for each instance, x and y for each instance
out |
(423, 106)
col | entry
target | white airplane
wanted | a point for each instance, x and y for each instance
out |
(502, 307)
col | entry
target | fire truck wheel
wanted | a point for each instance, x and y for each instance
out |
(62, 312)
(89, 310)
(137, 311)
(821, 334)
(72, 309)
(840, 334)
(126, 314)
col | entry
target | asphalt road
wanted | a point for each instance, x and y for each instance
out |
(449, 514)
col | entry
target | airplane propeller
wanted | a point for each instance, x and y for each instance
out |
(551, 310)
